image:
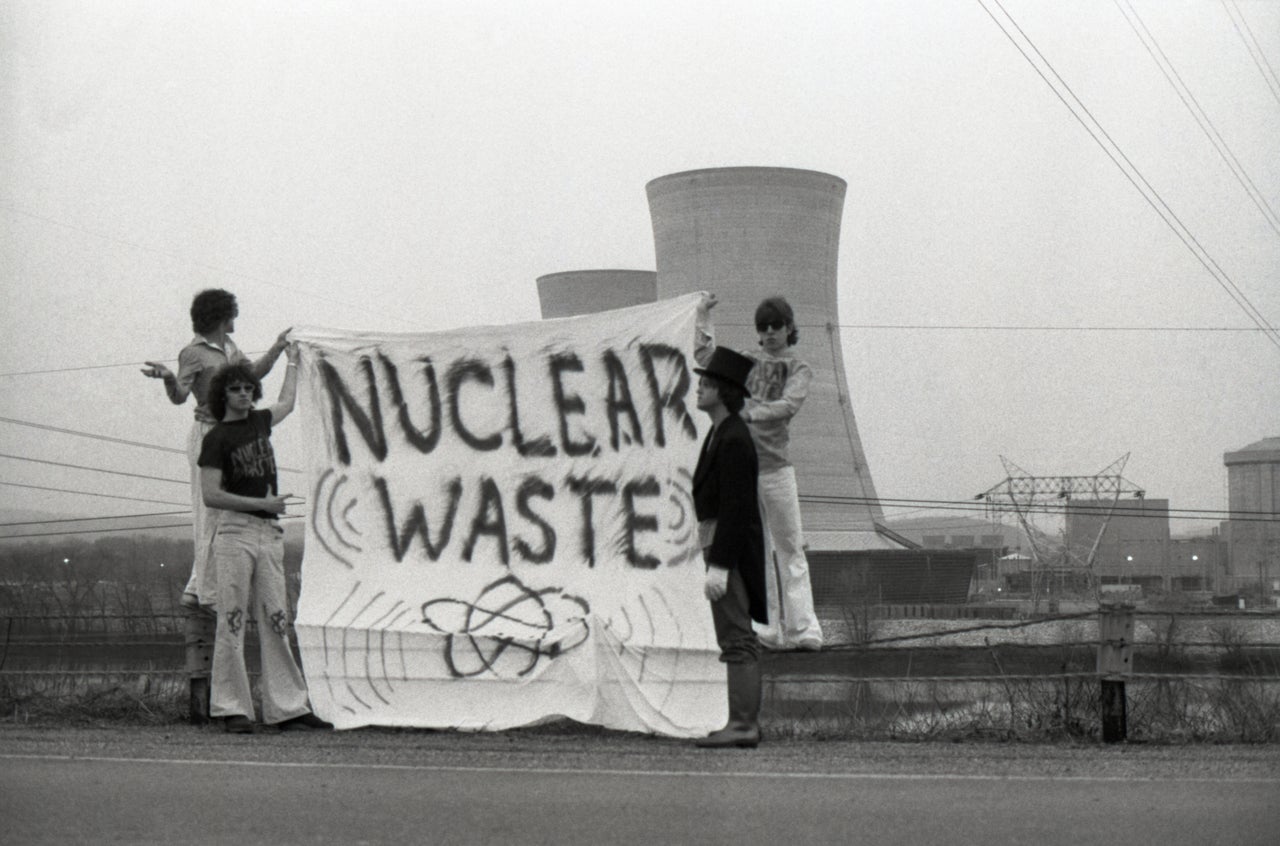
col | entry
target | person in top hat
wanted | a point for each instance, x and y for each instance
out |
(732, 540)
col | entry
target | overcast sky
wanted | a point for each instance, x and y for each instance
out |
(413, 166)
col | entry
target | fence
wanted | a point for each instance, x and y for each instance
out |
(1103, 674)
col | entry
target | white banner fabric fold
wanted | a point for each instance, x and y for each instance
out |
(500, 526)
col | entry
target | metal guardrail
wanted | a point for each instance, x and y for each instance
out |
(912, 658)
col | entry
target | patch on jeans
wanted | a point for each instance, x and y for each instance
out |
(235, 620)
(279, 623)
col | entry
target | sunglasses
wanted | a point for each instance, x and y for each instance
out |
(240, 389)
(771, 324)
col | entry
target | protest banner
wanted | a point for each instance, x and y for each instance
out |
(501, 528)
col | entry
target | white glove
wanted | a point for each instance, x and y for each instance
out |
(717, 584)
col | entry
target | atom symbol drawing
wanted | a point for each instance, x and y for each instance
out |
(508, 628)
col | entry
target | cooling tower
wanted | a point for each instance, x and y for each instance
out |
(576, 292)
(745, 233)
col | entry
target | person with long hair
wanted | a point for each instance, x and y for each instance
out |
(778, 386)
(238, 482)
(213, 319)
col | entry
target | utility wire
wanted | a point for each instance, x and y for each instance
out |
(87, 493)
(945, 327)
(106, 438)
(109, 439)
(138, 364)
(1189, 100)
(1132, 173)
(1129, 170)
(916, 505)
(987, 327)
(976, 503)
(1050, 509)
(51, 370)
(58, 534)
(1255, 49)
(89, 519)
(65, 520)
(94, 469)
(185, 525)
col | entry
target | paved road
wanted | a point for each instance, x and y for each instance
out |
(140, 785)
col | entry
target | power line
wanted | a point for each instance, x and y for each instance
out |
(946, 327)
(89, 493)
(1050, 509)
(917, 505)
(892, 501)
(1130, 171)
(1255, 49)
(63, 520)
(1189, 100)
(109, 439)
(47, 428)
(968, 506)
(962, 327)
(186, 525)
(94, 469)
(1134, 175)
(53, 370)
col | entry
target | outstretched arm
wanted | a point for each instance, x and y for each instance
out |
(176, 392)
(704, 334)
(263, 365)
(289, 390)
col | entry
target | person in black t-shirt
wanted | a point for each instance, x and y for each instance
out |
(238, 480)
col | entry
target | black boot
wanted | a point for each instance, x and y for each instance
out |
(743, 729)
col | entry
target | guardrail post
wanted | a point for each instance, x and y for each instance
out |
(1115, 662)
(200, 630)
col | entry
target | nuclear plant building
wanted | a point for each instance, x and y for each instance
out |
(746, 233)
(575, 292)
(1252, 531)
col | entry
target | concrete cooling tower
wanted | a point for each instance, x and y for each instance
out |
(746, 233)
(576, 292)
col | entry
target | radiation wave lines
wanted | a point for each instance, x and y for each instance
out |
(374, 675)
(331, 518)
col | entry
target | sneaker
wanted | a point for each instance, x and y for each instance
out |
(237, 725)
(189, 600)
(305, 722)
(809, 645)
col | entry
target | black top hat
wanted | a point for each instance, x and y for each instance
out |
(728, 366)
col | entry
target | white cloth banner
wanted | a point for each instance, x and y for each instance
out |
(501, 526)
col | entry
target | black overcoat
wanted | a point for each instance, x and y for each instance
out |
(724, 488)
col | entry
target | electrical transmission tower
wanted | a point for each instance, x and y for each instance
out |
(1028, 496)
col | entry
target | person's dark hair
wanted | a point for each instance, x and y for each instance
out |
(239, 373)
(775, 309)
(731, 396)
(210, 307)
